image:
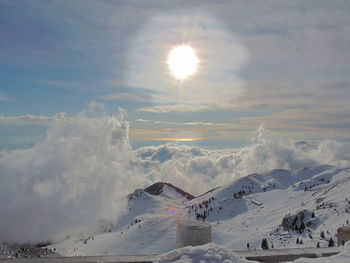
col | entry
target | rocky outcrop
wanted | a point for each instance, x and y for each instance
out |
(158, 188)
(299, 221)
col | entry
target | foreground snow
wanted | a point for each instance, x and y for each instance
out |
(342, 257)
(207, 253)
(213, 253)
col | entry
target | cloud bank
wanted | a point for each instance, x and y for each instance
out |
(80, 172)
(197, 170)
(69, 181)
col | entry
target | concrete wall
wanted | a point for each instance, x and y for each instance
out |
(343, 234)
(192, 233)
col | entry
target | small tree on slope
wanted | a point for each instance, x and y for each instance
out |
(264, 244)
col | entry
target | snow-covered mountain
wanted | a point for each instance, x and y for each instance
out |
(299, 208)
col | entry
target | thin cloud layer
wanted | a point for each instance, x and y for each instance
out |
(127, 96)
(220, 53)
(60, 115)
(265, 60)
(4, 97)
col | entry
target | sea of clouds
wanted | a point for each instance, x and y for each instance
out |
(80, 173)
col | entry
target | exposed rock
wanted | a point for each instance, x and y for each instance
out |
(299, 221)
(157, 189)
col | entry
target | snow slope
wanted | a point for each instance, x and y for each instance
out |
(263, 217)
(148, 226)
(242, 212)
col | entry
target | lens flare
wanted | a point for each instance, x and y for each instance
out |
(172, 210)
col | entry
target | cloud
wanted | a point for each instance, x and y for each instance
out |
(301, 120)
(60, 84)
(198, 170)
(323, 106)
(81, 171)
(126, 96)
(199, 123)
(73, 85)
(159, 130)
(295, 66)
(68, 181)
(4, 97)
(60, 115)
(289, 53)
(220, 53)
(275, 57)
(31, 119)
(193, 123)
(171, 108)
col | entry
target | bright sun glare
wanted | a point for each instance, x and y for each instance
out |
(182, 61)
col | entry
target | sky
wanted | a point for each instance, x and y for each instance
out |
(281, 64)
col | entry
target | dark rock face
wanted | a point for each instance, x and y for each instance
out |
(299, 221)
(157, 189)
(138, 194)
(27, 251)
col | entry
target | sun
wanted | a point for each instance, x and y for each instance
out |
(182, 61)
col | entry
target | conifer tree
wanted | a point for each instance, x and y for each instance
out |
(322, 234)
(264, 244)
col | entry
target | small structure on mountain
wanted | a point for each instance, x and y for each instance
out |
(192, 233)
(343, 234)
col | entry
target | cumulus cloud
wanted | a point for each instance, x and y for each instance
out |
(67, 182)
(84, 167)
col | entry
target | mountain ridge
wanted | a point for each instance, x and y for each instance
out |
(314, 198)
